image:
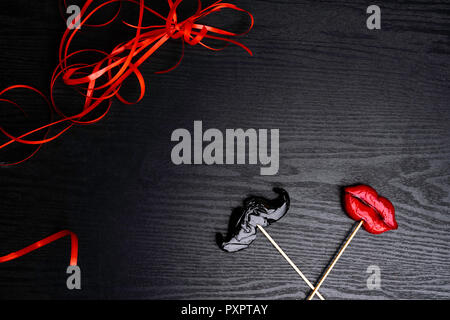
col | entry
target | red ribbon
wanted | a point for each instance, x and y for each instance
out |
(44, 242)
(115, 67)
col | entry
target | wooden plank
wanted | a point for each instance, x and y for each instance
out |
(352, 106)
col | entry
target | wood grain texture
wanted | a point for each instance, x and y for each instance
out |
(352, 106)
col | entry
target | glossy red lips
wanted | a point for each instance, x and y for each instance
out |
(363, 203)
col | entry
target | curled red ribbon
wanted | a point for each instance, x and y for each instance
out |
(43, 242)
(100, 82)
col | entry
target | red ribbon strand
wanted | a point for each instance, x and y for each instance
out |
(44, 242)
(101, 81)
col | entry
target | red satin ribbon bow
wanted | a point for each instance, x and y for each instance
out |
(115, 67)
(43, 242)
(363, 203)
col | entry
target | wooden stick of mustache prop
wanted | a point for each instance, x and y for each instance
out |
(285, 256)
(257, 214)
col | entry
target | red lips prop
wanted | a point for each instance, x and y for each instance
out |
(375, 213)
(363, 203)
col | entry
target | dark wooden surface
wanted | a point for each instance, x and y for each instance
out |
(352, 106)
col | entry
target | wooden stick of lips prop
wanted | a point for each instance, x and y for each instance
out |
(257, 214)
(375, 213)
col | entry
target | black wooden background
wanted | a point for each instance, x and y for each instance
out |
(352, 106)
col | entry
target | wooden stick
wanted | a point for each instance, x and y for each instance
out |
(341, 251)
(290, 261)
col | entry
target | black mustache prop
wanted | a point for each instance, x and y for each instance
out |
(257, 211)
